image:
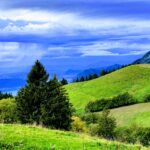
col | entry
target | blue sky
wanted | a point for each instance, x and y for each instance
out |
(71, 34)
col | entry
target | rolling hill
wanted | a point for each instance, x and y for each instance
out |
(134, 79)
(16, 137)
(138, 114)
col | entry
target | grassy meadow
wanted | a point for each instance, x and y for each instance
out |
(138, 114)
(21, 137)
(133, 79)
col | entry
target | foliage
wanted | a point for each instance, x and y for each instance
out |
(8, 111)
(133, 135)
(42, 101)
(90, 118)
(64, 81)
(78, 125)
(106, 125)
(56, 109)
(118, 101)
(147, 98)
(30, 98)
(5, 95)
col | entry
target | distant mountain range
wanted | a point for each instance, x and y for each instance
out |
(90, 71)
(144, 60)
(12, 82)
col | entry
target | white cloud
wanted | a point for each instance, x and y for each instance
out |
(105, 48)
(19, 54)
(111, 48)
(55, 23)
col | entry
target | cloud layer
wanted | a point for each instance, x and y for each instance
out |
(42, 29)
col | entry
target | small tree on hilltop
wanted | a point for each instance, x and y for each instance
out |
(64, 82)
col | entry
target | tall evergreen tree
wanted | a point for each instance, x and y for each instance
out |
(56, 109)
(38, 75)
(30, 98)
(43, 101)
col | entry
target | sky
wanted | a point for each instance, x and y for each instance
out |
(71, 34)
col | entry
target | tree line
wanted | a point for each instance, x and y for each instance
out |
(5, 95)
(103, 72)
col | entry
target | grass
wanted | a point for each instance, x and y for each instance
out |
(133, 79)
(16, 137)
(138, 114)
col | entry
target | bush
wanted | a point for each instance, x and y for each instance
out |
(143, 135)
(93, 129)
(134, 135)
(90, 118)
(106, 125)
(78, 125)
(147, 98)
(8, 111)
(118, 101)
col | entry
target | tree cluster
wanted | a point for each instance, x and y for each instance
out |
(43, 101)
(5, 95)
(94, 76)
(117, 101)
(87, 78)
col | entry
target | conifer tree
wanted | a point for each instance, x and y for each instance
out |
(82, 79)
(30, 98)
(64, 81)
(56, 109)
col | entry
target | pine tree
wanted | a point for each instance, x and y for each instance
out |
(77, 80)
(64, 81)
(38, 75)
(30, 98)
(82, 79)
(95, 76)
(102, 72)
(56, 110)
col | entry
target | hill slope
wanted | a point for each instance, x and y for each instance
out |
(133, 79)
(16, 137)
(138, 114)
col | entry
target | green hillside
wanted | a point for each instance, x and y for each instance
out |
(138, 114)
(133, 79)
(16, 137)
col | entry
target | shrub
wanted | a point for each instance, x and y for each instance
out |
(118, 101)
(90, 118)
(126, 134)
(78, 125)
(143, 135)
(8, 111)
(133, 135)
(93, 129)
(147, 98)
(106, 125)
